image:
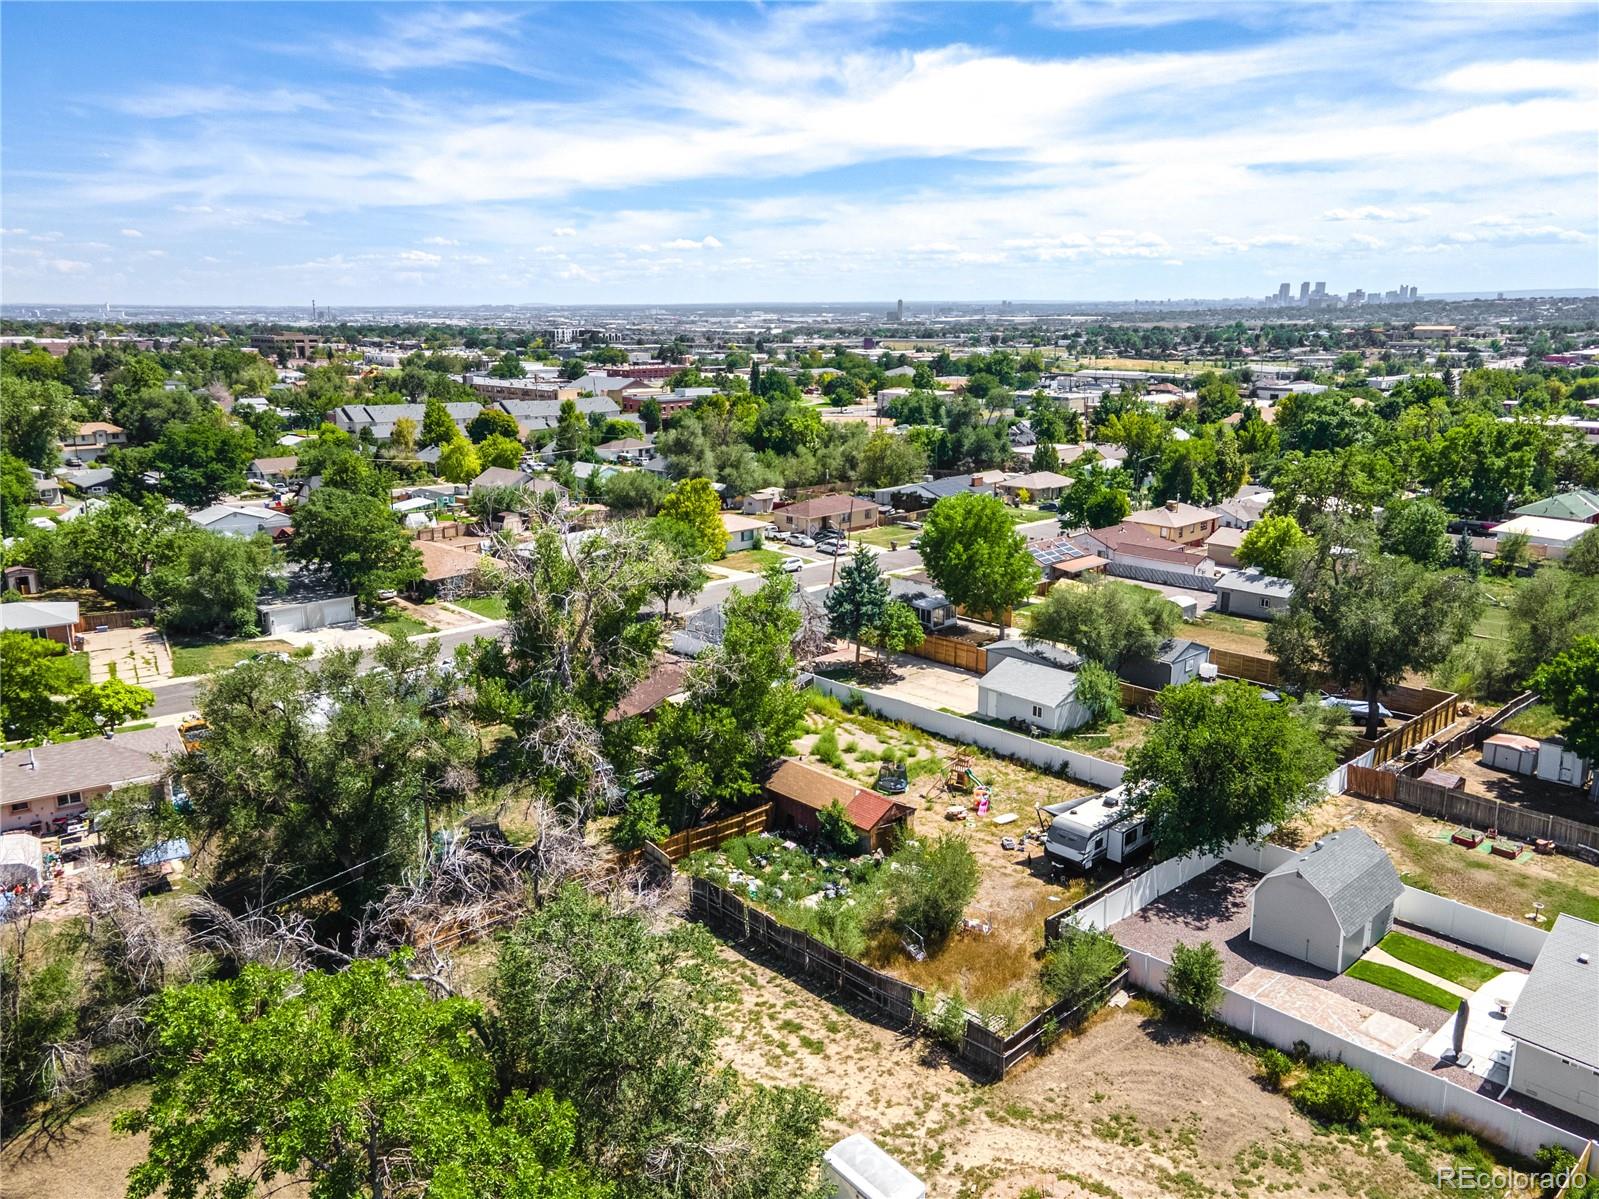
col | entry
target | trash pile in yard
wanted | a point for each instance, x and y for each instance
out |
(769, 870)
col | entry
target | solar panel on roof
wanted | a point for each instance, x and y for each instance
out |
(1047, 553)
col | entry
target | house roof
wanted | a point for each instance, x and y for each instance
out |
(93, 476)
(1140, 543)
(206, 517)
(441, 560)
(1254, 581)
(666, 678)
(816, 789)
(1037, 480)
(733, 522)
(99, 426)
(276, 466)
(1351, 872)
(1547, 528)
(1227, 537)
(85, 765)
(499, 476)
(29, 617)
(868, 809)
(623, 443)
(828, 505)
(939, 488)
(387, 414)
(1173, 515)
(1031, 681)
(1176, 649)
(1558, 1009)
(1580, 504)
(1038, 651)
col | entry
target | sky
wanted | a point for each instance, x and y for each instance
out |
(663, 153)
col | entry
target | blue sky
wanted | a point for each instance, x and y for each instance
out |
(400, 153)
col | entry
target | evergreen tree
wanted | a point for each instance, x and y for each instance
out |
(858, 602)
(1045, 457)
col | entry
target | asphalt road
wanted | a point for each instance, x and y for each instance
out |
(178, 696)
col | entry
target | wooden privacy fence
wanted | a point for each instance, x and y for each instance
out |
(952, 651)
(449, 530)
(1138, 699)
(1413, 732)
(1472, 737)
(1262, 668)
(702, 836)
(1462, 807)
(126, 619)
(988, 1053)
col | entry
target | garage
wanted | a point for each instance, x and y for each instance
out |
(305, 615)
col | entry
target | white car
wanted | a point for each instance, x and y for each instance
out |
(777, 535)
(793, 565)
(801, 540)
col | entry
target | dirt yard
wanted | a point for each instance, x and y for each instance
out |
(1420, 849)
(1127, 1108)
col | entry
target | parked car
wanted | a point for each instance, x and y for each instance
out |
(835, 548)
(777, 535)
(388, 593)
(801, 540)
(793, 565)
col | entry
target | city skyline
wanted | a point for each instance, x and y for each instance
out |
(373, 154)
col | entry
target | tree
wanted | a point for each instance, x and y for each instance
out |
(287, 797)
(888, 460)
(1045, 457)
(1094, 501)
(743, 707)
(1416, 529)
(1142, 434)
(1583, 558)
(211, 583)
(857, 603)
(835, 830)
(1511, 552)
(16, 495)
(594, 1004)
(203, 459)
(1078, 962)
(1570, 682)
(1463, 555)
(1275, 544)
(897, 630)
(634, 492)
(102, 707)
(459, 461)
(683, 579)
(695, 504)
(649, 412)
(438, 427)
(571, 430)
(1224, 762)
(935, 881)
(34, 417)
(1194, 979)
(974, 555)
(491, 422)
(1107, 622)
(507, 366)
(36, 671)
(1099, 692)
(1548, 614)
(504, 452)
(402, 441)
(357, 540)
(1367, 618)
(373, 1089)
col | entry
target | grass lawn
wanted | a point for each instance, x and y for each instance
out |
(203, 657)
(79, 665)
(47, 513)
(1497, 595)
(1390, 979)
(754, 561)
(1435, 959)
(1538, 721)
(490, 607)
(884, 535)
(397, 622)
(1224, 622)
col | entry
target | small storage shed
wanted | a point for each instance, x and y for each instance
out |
(1557, 763)
(1174, 663)
(1329, 905)
(800, 793)
(1508, 751)
(1042, 696)
(857, 1169)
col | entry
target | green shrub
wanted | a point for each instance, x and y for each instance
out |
(1002, 1012)
(1099, 692)
(1078, 962)
(1335, 1094)
(933, 883)
(1275, 1067)
(1194, 980)
(640, 822)
(836, 830)
(943, 1016)
(826, 748)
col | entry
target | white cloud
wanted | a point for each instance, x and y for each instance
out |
(414, 38)
(130, 233)
(564, 231)
(420, 258)
(12, 232)
(68, 266)
(440, 241)
(686, 243)
(1371, 212)
(1522, 75)
(572, 271)
(195, 100)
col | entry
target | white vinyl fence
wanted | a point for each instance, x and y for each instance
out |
(1096, 772)
(1404, 1084)
(1472, 926)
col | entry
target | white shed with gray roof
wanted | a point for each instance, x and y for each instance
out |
(1017, 689)
(1555, 1021)
(1328, 905)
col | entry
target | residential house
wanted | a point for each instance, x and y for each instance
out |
(743, 532)
(1222, 545)
(1547, 536)
(915, 497)
(94, 480)
(1577, 504)
(759, 503)
(800, 793)
(1252, 593)
(625, 449)
(668, 677)
(1554, 1022)
(92, 440)
(447, 569)
(534, 416)
(1018, 690)
(1176, 522)
(240, 520)
(52, 620)
(1062, 558)
(272, 470)
(1174, 663)
(1135, 553)
(500, 476)
(1243, 511)
(845, 512)
(378, 420)
(1038, 484)
(46, 488)
(43, 788)
(1330, 904)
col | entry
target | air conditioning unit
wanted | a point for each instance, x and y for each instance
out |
(1207, 671)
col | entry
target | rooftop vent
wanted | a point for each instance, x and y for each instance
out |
(1582, 959)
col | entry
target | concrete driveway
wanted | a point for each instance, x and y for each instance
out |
(137, 656)
(932, 685)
